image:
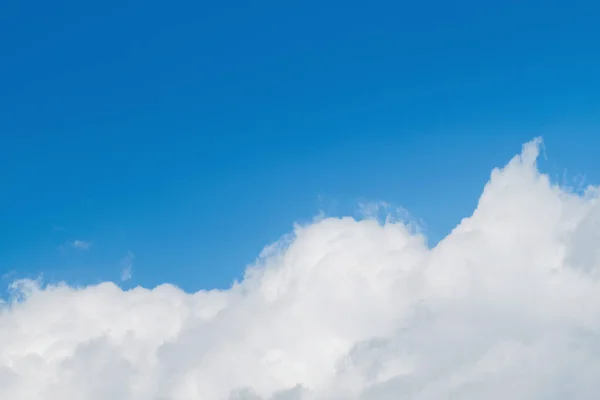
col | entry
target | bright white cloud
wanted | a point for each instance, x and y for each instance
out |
(506, 306)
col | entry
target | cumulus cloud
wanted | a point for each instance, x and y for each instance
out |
(506, 306)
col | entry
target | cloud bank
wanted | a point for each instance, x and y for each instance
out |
(506, 306)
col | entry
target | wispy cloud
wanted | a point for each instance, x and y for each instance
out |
(81, 244)
(58, 228)
(127, 266)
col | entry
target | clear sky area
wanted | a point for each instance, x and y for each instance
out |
(183, 138)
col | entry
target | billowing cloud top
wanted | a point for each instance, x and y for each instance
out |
(507, 306)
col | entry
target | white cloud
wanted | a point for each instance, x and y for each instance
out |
(506, 306)
(81, 244)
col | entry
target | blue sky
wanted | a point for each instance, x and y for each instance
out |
(191, 134)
